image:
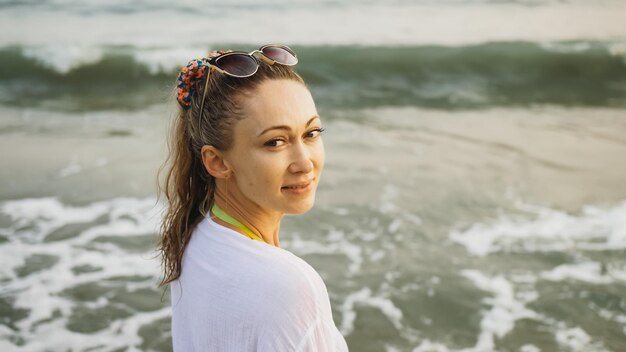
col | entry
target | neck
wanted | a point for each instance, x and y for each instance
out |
(264, 224)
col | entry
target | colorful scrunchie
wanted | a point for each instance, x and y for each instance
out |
(192, 74)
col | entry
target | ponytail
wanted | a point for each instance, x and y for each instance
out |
(188, 191)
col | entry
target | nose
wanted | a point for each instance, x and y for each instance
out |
(302, 159)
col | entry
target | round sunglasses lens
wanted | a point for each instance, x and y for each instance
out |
(280, 55)
(238, 64)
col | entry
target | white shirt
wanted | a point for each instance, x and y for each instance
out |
(236, 294)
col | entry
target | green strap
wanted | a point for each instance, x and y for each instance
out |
(229, 219)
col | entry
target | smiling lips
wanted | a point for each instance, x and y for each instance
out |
(299, 188)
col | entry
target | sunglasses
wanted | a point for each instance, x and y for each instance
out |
(241, 64)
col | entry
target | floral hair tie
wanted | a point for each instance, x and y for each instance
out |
(192, 73)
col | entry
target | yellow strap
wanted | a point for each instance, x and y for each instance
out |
(229, 219)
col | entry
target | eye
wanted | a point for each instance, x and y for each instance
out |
(272, 143)
(319, 130)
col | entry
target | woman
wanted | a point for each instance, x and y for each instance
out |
(245, 149)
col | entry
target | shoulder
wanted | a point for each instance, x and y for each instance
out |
(219, 261)
(258, 264)
(295, 314)
(295, 310)
(288, 280)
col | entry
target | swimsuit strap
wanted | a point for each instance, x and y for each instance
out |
(221, 214)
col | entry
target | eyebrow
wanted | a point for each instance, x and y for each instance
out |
(285, 127)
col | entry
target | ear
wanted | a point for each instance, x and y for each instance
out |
(214, 163)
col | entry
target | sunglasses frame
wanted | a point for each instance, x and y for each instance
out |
(213, 62)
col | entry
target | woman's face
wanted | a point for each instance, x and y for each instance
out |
(278, 144)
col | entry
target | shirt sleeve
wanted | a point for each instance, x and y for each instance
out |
(319, 336)
(299, 317)
(322, 336)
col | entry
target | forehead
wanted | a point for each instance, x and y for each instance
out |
(277, 102)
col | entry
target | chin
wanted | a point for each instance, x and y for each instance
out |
(300, 207)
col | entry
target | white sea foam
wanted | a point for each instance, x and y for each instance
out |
(429, 346)
(394, 225)
(167, 59)
(591, 272)
(618, 49)
(505, 309)
(365, 297)
(529, 348)
(566, 47)
(375, 255)
(36, 217)
(340, 211)
(574, 338)
(387, 204)
(43, 215)
(339, 245)
(33, 220)
(119, 335)
(390, 348)
(612, 316)
(593, 229)
(64, 58)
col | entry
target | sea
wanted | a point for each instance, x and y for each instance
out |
(473, 197)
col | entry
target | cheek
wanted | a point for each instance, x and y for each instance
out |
(263, 172)
(320, 155)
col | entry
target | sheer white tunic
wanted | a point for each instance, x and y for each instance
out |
(236, 294)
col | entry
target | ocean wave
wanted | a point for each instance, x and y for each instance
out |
(499, 73)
